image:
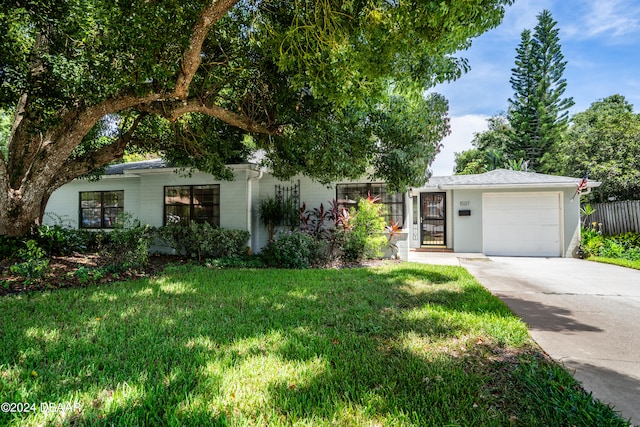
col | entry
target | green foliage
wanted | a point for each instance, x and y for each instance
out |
(623, 246)
(62, 239)
(34, 261)
(586, 210)
(295, 250)
(6, 118)
(244, 261)
(305, 84)
(489, 148)
(274, 211)
(9, 246)
(125, 246)
(203, 241)
(364, 234)
(88, 274)
(605, 140)
(537, 112)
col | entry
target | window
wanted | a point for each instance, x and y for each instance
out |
(186, 203)
(349, 194)
(101, 209)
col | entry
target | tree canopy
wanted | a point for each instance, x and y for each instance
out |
(605, 140)
(537, 112)
(317, 86)
(488, 150)
(527, 137)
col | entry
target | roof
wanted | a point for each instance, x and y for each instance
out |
(150, 165)
(120, 168)
(503, 178)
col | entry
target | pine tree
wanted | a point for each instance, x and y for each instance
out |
(538, 114)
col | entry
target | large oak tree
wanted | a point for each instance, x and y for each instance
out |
(323, 87)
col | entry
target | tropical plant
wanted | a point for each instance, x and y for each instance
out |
(392, 230)
(364, 231)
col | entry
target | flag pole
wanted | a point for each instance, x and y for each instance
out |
(581, 186)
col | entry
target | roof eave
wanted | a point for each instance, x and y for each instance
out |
(512, 186)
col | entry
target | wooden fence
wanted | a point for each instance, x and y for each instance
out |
(616, 217)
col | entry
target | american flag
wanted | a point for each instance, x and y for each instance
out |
(583, 183)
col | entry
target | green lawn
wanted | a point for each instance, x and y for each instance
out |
(617, 261)
(402, 345)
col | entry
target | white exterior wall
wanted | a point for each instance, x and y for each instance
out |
(65, 201)
(312, 194)
(239, 199)
(571, 210)
(233, 196)
(464, 233)
(466, 230)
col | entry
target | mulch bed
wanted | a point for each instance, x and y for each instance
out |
(63, 272)
(76, 271)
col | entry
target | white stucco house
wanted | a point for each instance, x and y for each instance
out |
(496, 213)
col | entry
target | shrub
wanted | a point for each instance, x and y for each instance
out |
(325, 224)
(125, 246)
(623, 246)
(295, 250)
(611, 249)
(34, 264)
(591, 241)
(203, 241)
(59, 240)
(9, 247)
(364, 231)
(274, 211)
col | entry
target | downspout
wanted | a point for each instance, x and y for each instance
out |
(250, 180)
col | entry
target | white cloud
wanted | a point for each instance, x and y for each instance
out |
(521, 15)
(614, 19)
(463, 129)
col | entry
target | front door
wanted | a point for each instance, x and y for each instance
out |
(433, 219)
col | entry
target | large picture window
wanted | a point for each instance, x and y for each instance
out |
(186, 203)
(101, 209)
(348, 195)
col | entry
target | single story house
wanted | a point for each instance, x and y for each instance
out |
(496, 213)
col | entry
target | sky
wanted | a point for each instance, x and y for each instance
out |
(600, 41)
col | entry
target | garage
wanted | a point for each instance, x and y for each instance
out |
(522, 224)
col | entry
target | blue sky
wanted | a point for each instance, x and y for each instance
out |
(600, 41)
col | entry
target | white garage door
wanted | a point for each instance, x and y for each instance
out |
(521, 224)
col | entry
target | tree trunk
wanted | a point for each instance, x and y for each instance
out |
(20, 213)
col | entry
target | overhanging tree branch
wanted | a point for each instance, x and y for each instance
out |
(191, 58)
(104, 155)
(172, 111)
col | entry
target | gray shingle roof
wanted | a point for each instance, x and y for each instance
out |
(118, 169)
(503, 178)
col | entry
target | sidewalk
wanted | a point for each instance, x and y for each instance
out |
(443, 258)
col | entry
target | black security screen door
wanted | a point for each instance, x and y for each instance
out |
(433, 219)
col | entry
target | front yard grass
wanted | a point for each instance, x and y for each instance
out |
(617, 261)
(406, 344)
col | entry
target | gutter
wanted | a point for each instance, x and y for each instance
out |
(249, 187)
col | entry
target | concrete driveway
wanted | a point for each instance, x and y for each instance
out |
(583, 314)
